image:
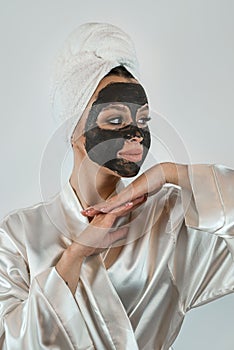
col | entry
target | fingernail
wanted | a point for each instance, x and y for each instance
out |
(129, 204)
(86, 211)
(103, 210)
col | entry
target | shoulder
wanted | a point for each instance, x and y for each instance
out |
(15, 225)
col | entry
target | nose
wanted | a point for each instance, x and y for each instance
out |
(133, 134)
(136, 139)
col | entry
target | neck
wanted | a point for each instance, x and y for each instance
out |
(92, 184)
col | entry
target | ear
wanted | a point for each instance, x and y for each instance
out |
(73, 140)
(78, 142)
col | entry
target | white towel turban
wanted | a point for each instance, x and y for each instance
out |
(89, 53)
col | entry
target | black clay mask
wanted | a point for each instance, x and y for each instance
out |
(116, 131)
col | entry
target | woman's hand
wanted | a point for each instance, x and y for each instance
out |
(98, 236)
(147, 184)
(93, 240)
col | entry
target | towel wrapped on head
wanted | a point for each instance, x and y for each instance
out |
(89, 53)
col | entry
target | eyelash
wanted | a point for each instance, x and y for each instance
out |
(144, 119)
(120, 120)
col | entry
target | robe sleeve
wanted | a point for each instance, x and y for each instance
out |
(203, 262)
(37, 314)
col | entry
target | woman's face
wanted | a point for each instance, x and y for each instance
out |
(116, 133)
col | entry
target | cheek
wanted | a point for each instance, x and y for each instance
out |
(97, 136)
(102, 145)
(146, 138)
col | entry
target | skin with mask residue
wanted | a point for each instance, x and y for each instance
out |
(116, 131)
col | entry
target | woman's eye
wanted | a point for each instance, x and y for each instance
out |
(115, 120)
(143, 121)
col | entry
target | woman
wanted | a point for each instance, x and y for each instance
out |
(90, 269)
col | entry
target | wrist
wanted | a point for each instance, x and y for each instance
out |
(176, 174)
(170, 172)
(75, 253)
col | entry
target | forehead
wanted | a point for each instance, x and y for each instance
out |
(124, 92)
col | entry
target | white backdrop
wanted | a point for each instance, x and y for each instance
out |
(186, 52)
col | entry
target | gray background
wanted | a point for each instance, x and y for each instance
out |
(186, 51)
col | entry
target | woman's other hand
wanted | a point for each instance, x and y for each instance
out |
(147, 184)
(98, 236)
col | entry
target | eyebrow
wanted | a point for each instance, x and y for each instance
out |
(115, 106)
(144, 108)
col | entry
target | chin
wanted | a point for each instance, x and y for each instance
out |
(123, 167)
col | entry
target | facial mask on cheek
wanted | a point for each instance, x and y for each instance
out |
(103, 145)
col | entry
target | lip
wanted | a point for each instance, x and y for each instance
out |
(131, 155)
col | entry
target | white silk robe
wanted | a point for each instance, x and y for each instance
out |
(141, 300)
